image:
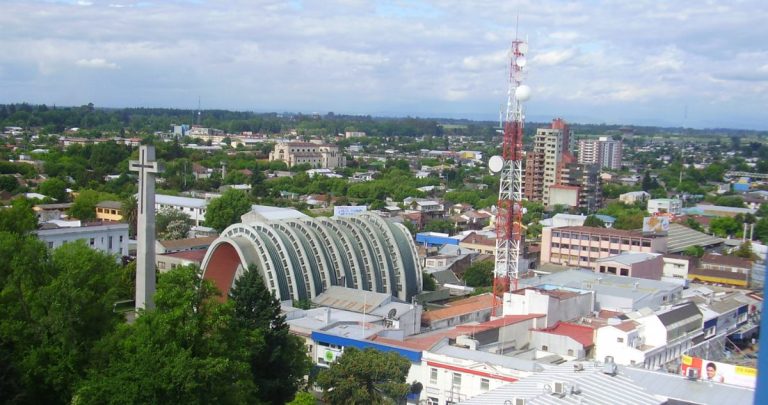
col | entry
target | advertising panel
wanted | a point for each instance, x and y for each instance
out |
(656, 225)
(720, 372)
(348, 210)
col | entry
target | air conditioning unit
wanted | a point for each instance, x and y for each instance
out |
(692, 373)
(520, 401)
(578, 367)
(560, 389)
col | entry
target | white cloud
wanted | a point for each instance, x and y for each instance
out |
(555, 57)
(96, 63)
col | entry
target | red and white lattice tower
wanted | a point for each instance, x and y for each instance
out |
(509, 214)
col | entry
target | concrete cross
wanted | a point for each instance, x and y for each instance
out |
(147, 168)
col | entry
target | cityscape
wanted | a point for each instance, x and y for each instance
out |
(370, 202)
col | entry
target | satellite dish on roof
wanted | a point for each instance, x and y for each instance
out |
(391, 314)
(495, 163)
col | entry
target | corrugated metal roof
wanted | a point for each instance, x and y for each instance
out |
(681, 237)
(594, 387)
(677, 387)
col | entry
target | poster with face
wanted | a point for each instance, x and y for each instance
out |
(720, 372)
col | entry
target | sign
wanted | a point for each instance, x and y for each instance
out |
(348, 210)
(720, 372)
(657, 225)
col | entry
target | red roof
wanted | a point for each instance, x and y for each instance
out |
(460, 307)
(627, 326)
(585, 335)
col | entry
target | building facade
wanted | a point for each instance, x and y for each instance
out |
(582, 246)
(541, 164)
(301, 258)
(604, 151)
(317, 156)
(109, 238)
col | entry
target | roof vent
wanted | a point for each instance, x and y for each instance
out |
(578, 367)
(610, 367)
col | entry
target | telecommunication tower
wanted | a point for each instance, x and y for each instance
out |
(509, 213)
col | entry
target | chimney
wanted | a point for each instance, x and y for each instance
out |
(327, 315)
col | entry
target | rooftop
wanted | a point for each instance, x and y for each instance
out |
(629, 258)
(351, 299)
(726, 261)
(191, 255)
(460, 307)
(188, 243)
(681, 237)
(115, 205)
(600, 231)
(585, 335)
(479, 356)
(601, 283)
(180, 201)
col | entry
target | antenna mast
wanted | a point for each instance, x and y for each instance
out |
(509, 213)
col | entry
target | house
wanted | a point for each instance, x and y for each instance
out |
(555, 304)
(169, 261)
(479, 243)
(195, 208)
(671, 206)
(111, 211)
(47, 212)
(633, 197)
(570, 340)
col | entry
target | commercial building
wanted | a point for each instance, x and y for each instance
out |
(581, 246)
(316, 155)
(193, 207)
(300, 258)
(728, 270)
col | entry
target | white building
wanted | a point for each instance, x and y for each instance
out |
(603, 151)
(665, 206)
(110, 238)
(634, 196)
(194, 207)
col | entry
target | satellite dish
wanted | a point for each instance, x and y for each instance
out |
(495, 163)
(523, 93)
(391, 314)
(522, 47)
(521, 61)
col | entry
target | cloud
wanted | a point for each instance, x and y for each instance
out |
(96, 63)
(555, 57)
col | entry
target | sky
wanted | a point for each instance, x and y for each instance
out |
(692, 63)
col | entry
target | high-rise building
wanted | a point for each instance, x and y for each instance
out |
(603, 151)
(541, 163)
(584, 179)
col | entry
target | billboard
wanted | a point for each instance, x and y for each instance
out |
(348, 210)
(656, 225)
(720, 372)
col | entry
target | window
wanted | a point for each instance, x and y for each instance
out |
(570, 352)
(433, 376)
(161, 265)
(555, 245)
(646, 243)
(484, 384)
(602, 269)
(110, 243)
(624, 272)
(544, 348)
(50, 245)
(556, 234)
(595, 238)
(625, 241)
(611, 270)
(93, 241)
(614, 240)
(584, 236)
(620, 339)
(456, 382)
(614, 251)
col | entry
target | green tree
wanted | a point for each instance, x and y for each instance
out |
(55, 309)
(84, 207)
(695, 251)
(278, 367)
(303, 398)
(55, 188)
(594, 221)
(131, 215)
(9, 184)
(428, 282)
(479, 274)
(18, 218)
(227, 209)
(365, 377)
(745, 251)
(725, 226)
(439, 225)
(189, 349)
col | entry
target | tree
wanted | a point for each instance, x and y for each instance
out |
(303, 398)
(745, 251)
(278, 367)
(55, 188)
(9, 183)
(365, 377)
(724, 227)
(594, 221)
(55, 308)
(227, 209)
(172, 224)
(189, 349)
(439, 225)
(428, 282)
(695, 251)
(18, 218)
(131, 215)
(84, 207)
(479, 274)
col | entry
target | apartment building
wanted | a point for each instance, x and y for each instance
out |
(542, 163)
(604, 151)
(582, 246)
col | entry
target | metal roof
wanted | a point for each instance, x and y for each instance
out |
(676, 387)
(594, 387)
(629, 258)
(479, 356)
(180, 201)
(601, 283)
(677, 314)
(681, 237)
